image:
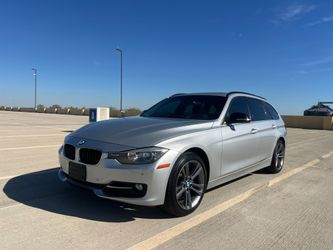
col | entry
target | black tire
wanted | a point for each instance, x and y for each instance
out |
(187, 183)
(277, 159)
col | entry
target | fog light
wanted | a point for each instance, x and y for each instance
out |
(138, 187)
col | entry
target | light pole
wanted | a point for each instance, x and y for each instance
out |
(121, 80)
(35, 74)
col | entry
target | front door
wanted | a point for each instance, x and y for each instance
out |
(239, 140)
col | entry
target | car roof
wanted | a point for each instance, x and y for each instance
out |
(224, 94)
(202, 93)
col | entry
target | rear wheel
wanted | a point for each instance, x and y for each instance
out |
(277, 159)
(186, 186)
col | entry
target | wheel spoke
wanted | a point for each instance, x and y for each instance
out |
(196, 172)
(183, 173)
(180, 192)
(279, 156)
(199, 192)
(188, 199)
(198, 185)
(187, 169)
(276, 161)
(180, 186)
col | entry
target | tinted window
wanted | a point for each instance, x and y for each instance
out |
(258, 111)
(201, 107)
(169, 107)
(238, 105)
(272, 111)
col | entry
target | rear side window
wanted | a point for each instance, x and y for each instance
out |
(238, 105)
(258, 111)
(272, 111)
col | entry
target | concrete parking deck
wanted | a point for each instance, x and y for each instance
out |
(290, 210)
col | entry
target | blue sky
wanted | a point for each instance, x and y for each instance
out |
(282, 50)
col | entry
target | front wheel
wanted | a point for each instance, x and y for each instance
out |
(277, 159)
(186, 186)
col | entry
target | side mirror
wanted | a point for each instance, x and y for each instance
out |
(238, 117)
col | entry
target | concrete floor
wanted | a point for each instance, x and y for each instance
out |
(39, 212)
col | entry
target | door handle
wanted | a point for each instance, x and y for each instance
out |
(253, 131)
(273, 126)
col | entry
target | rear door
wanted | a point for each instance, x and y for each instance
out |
(265, 128)
(239, 144)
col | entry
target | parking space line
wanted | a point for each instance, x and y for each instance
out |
(327, 155)
(31, 147)
(194, 221)
(180, 228)
(292, 172)
(18, 136)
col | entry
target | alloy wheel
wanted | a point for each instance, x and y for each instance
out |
(190, 184)
(279, 155)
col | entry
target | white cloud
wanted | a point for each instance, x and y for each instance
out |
(323, 64)
(237, 34)
(320, 21)
(303, 72)
(324, 60)
(293, 12)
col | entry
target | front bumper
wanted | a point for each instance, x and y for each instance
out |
(99, 177)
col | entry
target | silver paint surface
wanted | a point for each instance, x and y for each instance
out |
(232, 150)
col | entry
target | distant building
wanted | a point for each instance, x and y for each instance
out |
(319, 110)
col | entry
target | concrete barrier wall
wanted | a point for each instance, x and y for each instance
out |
(27, 109)
(62, 111)
(39, 110)
(48, 110)
(78, 112)
(292, 121)
(308, 122)
(328, 123)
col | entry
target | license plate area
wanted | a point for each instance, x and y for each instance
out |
(77, 171)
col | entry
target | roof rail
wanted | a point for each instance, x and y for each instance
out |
(246, 93)
(177, 94)
(326, 102)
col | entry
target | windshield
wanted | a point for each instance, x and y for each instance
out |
(199, 107)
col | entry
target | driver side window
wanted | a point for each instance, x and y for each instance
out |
(238, 105)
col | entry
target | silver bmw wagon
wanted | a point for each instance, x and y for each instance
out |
(176, 150)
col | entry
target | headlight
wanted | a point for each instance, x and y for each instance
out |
(138, 156)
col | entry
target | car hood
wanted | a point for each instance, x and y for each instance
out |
(139, 131)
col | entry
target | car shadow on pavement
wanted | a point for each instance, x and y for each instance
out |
(43, 190)
(227, 183)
